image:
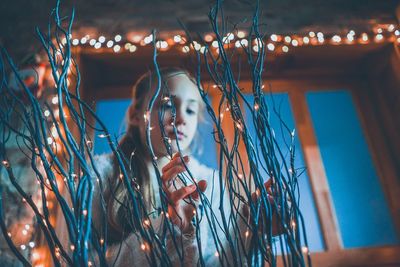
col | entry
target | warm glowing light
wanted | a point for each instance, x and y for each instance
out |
(102, 39)
(379, 30)
(336, 39)
(177, 38)
(274, 37)
(83, 40)
(54, 100)
(75, 42)
(185, 49)
(49, 140)
(127, 45)
(247, 233)
(285, 49)
(364, 37)
(241, 34)
(110, 43)
(117, 38)
(32, 244)
(256, 48)
(390, 28)
(92, 42)
(295, 42)
(311, 34)
(304, 249)
(271, 47)
(320, 35)
(397, 33)
(214, 44)
(116, 48)
(208, 38)
(97, 45)
(306, 40)
(244, 42)
(216, 254)
(46, 113)
(237, 44)
(84, 212)
(288, 39)
(379, 37)
(132, 48)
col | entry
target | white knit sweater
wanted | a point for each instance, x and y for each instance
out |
(129, 252)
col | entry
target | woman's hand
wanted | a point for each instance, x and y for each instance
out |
(180, 213)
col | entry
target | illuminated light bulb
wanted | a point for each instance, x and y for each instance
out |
(350, 37)
(27, 226)
(64, 41)
(49, 140)
(164, 44)
(9, 234)
(97, 45)
(239, 126)
(24, 232)
(285, 49)
(293, 223)
(320, 35)
(336, 39)
(271, 47)
(398, 40)
(221, 116)
(304, 249)
(364, 37)
(127, 45)
(379, 30)
(102, 39)
(132, 48)
(90, 263)
(311, 34)
(83, 40)
(117, 48)
(274, 37)
(54, 100)
(247, 233)
(101, 241)
(23, 247)
(177, 38)
(146, 222)
(32, 244)
(143, 246)
(240, 176)
(203, 50)
(390, 28)
(237, 44)
(118, 38)
(75, 42)
(46, 113)
(208, 38)
(256, 106)
(155, 158)
(226, 40)
(158, 44)
(84, 212)
(244, 42)
(197, 46)
(288, 39)
(397, 32)
(216, 254)
(110, 43)
(214, 44)
(35, 256)
(194, 212)
(321, 39)
(214, 86)
(379, 37)
(230, 36)
(92, 42)
(295, 43)
(241, 34)
(169, 141)
(352, 32)
(185, 49)
(306, 40)
(256, 48)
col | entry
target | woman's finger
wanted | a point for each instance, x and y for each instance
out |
(172, 173)
(202, 184)
(181, 193)
(176, 160)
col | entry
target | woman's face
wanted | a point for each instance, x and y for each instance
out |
(184, 96)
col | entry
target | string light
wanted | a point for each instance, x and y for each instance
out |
(117, 48)
(185, 49)
(336, 39)
(92, 42)
(274, 37)
(177, 38)
(271, 47)
(285, 49)
(102, 39)
(97, 45)
(208, 38)
(241, 34)
(117, 38)
(110, 43)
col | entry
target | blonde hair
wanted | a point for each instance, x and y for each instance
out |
(119, 205)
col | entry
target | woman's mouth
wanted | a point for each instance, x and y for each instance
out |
(179, 135)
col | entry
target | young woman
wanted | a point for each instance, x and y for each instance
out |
(178, 108)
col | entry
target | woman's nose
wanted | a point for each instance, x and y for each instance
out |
(180, 117)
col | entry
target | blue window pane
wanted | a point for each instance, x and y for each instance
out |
(307, 204)
(361, 209)
(112, 113)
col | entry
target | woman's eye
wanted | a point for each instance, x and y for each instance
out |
(191, 111)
